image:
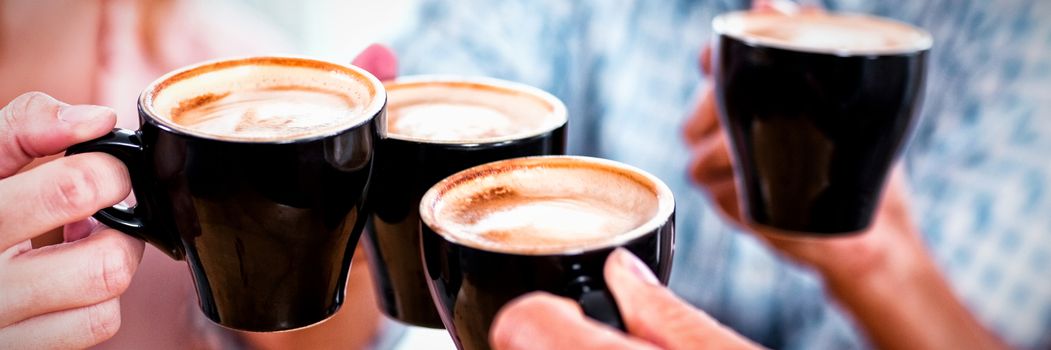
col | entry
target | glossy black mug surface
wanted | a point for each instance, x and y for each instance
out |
(814, 132)
(471, 282)
(407, 166)
(268, 228)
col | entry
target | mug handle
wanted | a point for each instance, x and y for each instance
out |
(126, 146)
(597, 303)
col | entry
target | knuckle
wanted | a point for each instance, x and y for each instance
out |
(87, 182)
(116, 270)
(14, 120)
(116, 175)
(22, 105)
(103, 320)
(77, 190)
(29, 97)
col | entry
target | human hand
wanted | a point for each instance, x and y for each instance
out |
(66, 295)
(892, 231)
(883, 277)
(891, 239)
(378, 60)
(654, 317)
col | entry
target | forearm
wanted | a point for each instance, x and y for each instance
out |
(908, 305)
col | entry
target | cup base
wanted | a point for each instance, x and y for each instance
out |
(414, 323)
(277, 329)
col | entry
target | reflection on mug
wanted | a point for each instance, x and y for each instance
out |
(500, 230)
(817, 107)
(439, 125)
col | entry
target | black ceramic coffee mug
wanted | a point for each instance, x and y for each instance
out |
(817, 107)
(254, 171)
(437, 126)
(500, 230)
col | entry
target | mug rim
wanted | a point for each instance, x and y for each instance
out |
(664, 196)
(559, 114)
(377, 102)
(723, 24)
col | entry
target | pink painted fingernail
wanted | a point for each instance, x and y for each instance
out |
(80, 113)
(378, 60)
(631, 263)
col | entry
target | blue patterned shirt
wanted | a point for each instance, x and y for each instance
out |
(979, 166)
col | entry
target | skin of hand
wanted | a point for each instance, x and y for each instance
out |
(65, 295)
(712, 168)
(654, 317)
(356, 323)
(883, 276)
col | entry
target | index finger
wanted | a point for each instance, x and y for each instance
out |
(34, 125)
(57, 193)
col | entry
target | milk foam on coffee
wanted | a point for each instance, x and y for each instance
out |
(265, 102)
(462, 110)
(545, 209)
(820, 32)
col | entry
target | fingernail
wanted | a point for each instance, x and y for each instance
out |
(378, 60)
(629, 262)
(78, 230)
(80, 113)
(783, 7)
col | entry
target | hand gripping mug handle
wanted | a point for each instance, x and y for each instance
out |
(126, 146)
(597, 302)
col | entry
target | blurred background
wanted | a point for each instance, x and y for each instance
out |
(952, 220)
(978, 167)
(334, 30)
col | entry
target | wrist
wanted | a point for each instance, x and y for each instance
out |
(904, 302)
(890, 279)
(900, 284)
(892, 263)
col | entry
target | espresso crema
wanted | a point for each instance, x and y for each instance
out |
(468, 110)
(551, 208)
(262, 100)
(824, 32)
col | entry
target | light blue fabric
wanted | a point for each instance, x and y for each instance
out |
(980, 166)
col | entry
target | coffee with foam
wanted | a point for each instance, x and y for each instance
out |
(469, 110)
(265, 99)
(545, 205)
(823, 32)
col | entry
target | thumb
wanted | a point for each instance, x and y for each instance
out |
(651, 312)
(34, 125)
(378, 60)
